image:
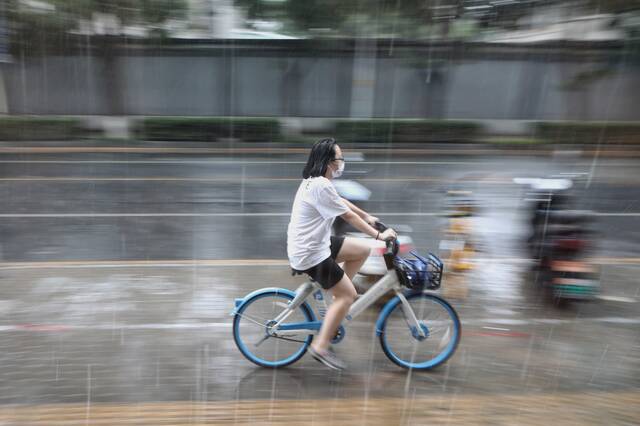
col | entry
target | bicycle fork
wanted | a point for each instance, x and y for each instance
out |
(410, 317)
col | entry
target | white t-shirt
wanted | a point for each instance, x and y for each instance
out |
(315, 208)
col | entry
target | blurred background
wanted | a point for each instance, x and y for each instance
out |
(551, 60)
(150, 151)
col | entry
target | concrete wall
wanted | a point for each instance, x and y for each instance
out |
(504, 84)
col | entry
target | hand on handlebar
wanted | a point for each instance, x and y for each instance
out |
(391, 238)
(388, 235)
(372, 220)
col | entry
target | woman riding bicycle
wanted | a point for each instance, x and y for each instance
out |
(314, 251)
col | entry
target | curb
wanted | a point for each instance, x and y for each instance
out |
(283, 148)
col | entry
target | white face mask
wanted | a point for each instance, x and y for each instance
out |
(338, 173)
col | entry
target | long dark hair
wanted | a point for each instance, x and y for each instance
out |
(321, 154)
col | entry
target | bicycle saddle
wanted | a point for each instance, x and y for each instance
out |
(296, 272)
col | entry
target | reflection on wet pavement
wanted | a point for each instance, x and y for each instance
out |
(126, 320)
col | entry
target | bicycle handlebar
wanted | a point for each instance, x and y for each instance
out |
(392, 245)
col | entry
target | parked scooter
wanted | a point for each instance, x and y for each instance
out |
(561, 240)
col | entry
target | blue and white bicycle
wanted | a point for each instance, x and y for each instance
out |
(273, 327)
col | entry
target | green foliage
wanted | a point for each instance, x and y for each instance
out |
(204, 129)
(32, 27)
(158, 11)
(406, 130)
(377, 18)
(39, 128)
(581, 132)
(128, 11)
(513, 141)
(310, 14)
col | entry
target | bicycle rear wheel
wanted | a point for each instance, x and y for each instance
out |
(406, 347)
(250, 330)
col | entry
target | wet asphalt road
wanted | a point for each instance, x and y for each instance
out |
(79, 322)
(96, 207)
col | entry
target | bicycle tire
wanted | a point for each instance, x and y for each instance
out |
(392, 308)
(243, 346)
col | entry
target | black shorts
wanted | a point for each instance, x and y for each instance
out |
(328, 272)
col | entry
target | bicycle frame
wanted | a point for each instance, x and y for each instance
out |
(388, 282)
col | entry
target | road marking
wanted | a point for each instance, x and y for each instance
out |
(244, 214)
(612, 214)
(110, 327)
(467, 178)
(247, 150)
(621, 299)
(269, 162)
(181, 263)
(238, 214)
(157, 162)
(145, 179)
(495, 334)
(417, 163)
(552, 321)
(65, 215)
(191, 263)
(237, 179)
(596, 260)
(225, 325)
(263, 162)
(389, 150)
(146, 150)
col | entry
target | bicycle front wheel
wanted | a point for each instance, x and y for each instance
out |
(403, 344)
(250, 330)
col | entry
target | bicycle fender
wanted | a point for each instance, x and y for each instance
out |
(241, 301)
(388, 307)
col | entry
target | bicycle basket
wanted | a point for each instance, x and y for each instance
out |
(419, 273)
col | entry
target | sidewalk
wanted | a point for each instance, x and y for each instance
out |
(589, 408)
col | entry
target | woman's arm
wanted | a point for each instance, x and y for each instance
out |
(357, 222)
(361, 213)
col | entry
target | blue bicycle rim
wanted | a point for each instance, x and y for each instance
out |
(248, 354)
(442, 356)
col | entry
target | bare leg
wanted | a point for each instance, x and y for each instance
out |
(353, 253)
(343, 296)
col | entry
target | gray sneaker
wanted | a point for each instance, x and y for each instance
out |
(328, 358)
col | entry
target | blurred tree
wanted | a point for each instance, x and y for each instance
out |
(407, 18)
(37, 27)
(356, 17)
(318, 14)
(51, 21)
